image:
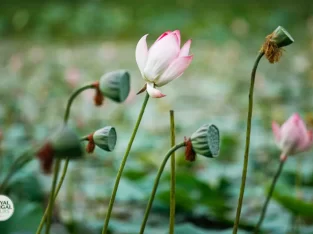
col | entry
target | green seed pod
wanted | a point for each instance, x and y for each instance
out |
(206, 141)
(281, 37)
(66, 144)
(105, 138)
(115, 85)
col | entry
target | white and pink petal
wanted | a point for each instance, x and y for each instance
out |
(153, 92)
(175, 70)
(160, 56)
(142, 53)
(185, 49)
(276, 131)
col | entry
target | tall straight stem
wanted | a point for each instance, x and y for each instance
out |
(48, 212)
(246, 156)
(123, 163)
(280, 168)
(156, 183)
(173, 176)
(51, 199)
(55, 196)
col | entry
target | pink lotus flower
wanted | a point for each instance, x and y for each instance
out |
(163, 62)
(292, 137)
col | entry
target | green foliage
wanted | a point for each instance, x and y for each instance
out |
(294, 205)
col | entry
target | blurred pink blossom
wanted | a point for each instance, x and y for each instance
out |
(163, 62)
(16, 63)
(292, 137)
(72, 76)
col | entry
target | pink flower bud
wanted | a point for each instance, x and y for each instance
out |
(163, 62)
(292, 137)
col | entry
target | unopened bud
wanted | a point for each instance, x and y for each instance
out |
(281, 37)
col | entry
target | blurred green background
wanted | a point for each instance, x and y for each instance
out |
(50, 48)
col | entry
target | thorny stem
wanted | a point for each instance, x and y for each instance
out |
(173, 176)
(123, 163)
(53, 195)
(156, 183)
(281, 165)
(246, 156)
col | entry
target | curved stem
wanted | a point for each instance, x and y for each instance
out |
(156, 183)
(53, 195)
(120, 171)
(71, 99)
(246, 156)
(173, 176)
(281, 165)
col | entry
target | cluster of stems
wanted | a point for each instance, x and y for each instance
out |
(271, 50)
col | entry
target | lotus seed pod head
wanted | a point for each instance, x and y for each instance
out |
(105, 138)
(115, 85)
(281, 37)
(206, 141)
(66, 144)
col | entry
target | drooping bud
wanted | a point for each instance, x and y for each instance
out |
(206, 141)
(66, 144)
(63, 144)
(115, 85)
(272, 47)
(105, 138)
(281, 37)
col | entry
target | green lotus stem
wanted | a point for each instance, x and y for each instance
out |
(280, 168)
(71, 99)
(246, 155)
(53, 195)
(51, 199)
(173, 176)
(123, 163)
(156, 183)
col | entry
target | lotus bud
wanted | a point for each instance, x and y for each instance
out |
(115, 85)
(281, 37)
(206, 141)
(272, 47)
(293, 136)
(105, 138)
